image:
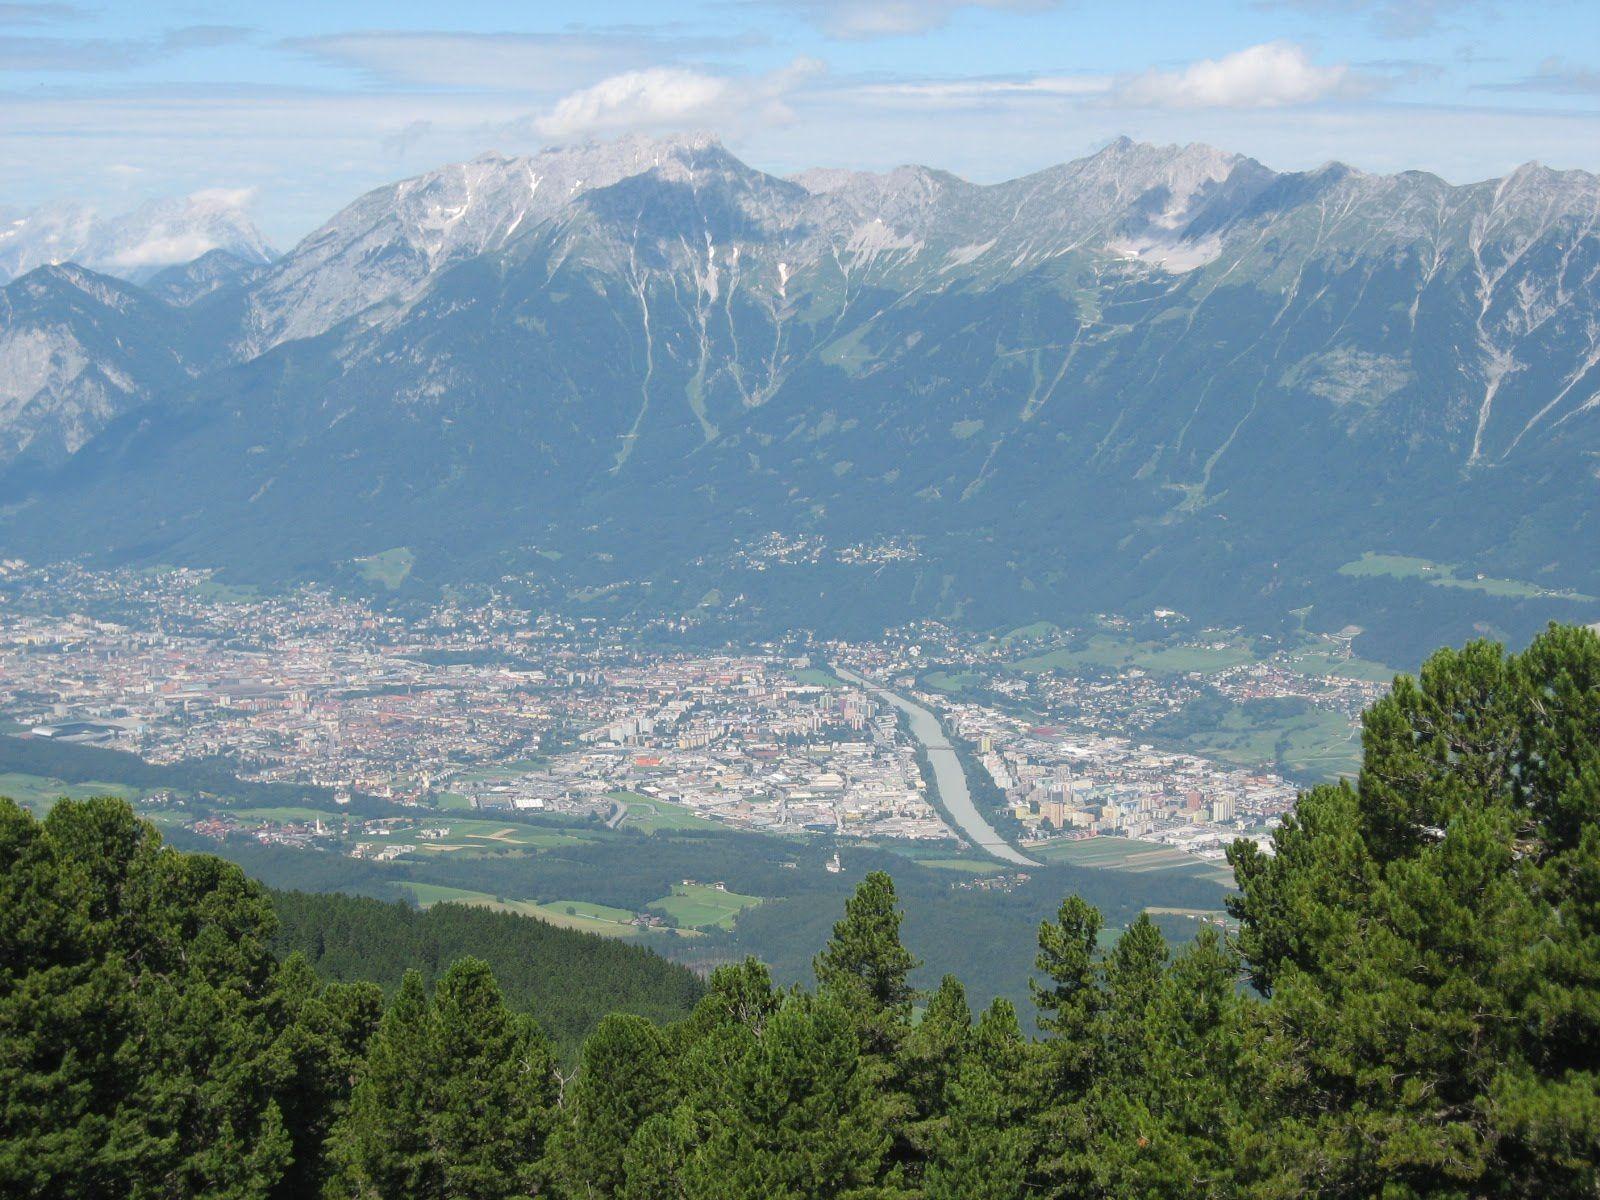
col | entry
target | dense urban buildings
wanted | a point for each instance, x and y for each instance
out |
(487, 707)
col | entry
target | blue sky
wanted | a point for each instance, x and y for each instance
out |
(299, 106)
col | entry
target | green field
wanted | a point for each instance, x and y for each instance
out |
(225, 593)
(1122, 854)
(1030, 633)
(1315, 743)
(1129, 854)
(699, 906)
(818, 677)
(944, 681)
(387, 567)
(1199, 914)
(454, 802)
(588, 912)
(1405, 566)
(590, 918)
(434, 893)
(39, 792)
(1318, 661)
(506, 770)
(968, 866)
(648, 814)
(468, 832)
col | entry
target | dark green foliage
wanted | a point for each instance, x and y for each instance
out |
(929, 1061)
(137, 1014)
(1431, 940)
(984, 1148)
(566, 979)
(319, 1054)
(801, 1115)
(382, 1146)
(864, 961)
(622, 1083)
(456, 1099)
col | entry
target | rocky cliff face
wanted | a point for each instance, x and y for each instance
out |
(76, 351)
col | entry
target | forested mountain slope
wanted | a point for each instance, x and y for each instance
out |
(567, 980)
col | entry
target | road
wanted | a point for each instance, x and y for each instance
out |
(948, 774)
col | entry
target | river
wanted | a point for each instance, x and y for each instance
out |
(948, 774)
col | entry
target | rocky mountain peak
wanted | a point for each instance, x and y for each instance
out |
(131, 245)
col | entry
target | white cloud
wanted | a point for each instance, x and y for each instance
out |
(160, 249)
(673, 97)
(219, 199)
(1556, 75)
(855, 20)
(977, 91)
(1271, 75)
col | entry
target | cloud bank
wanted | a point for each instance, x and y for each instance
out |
(1271, 75)
(675, 97)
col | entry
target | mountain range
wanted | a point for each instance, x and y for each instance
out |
(644, 375)
(133, 245)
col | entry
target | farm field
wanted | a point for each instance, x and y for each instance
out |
(648, 814)
(1405, 566)
(574, 914)
(389, 567)
(701, 906)
(1318, 661)
(818, 677)
(474, 833)
(1315, 743)
(970, 866)
(39, 792)
(1129, 854)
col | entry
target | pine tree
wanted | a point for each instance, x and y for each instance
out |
(865, 970)
(1132, 978)
(382, 1144)
(623, 1080)
(801, 1115)
(657, 1159)
(136, 1013)
(864, 960)
(493, 1092)
(325, 1029)
(929, 1061)
(1430, 941)
(985, 1149)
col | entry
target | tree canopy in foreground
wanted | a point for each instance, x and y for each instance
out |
(1422, 946)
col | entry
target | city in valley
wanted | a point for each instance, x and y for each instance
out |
(1190, 741)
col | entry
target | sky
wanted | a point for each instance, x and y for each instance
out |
(297, 107)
